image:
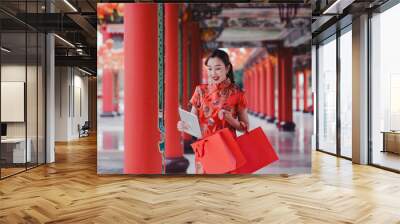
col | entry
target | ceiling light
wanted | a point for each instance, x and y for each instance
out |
(70, 5)
(338, 6)
(333, 6)
(64, 40)
(86, 72)
(5, 50)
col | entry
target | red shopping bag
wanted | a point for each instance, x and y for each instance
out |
(257, 150)
(219, 153)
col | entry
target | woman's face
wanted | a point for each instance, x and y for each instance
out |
(217, 70)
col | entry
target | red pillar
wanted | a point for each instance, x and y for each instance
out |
(270, 91)
(280, 86)
(192, 56)
(252, 99)
(297, 91)
(245, 88)
(185, 73)
(250, 107)
(199, 58)
(306, 73)
(255, 105)
(116, 93)
(107, 140)
(186, 93)
(285, 113)
(174, 150)
(257, 89)
(262, 90)
(248, 90)
(107, 82)
(141, 154)
(195, 55)
(110, 141)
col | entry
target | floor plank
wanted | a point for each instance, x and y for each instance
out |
(70, 191)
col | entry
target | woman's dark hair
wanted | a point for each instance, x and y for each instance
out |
(225, 59)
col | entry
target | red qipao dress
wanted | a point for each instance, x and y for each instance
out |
(209, 99)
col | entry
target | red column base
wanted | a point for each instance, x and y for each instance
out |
(270, 119)
(286, 125)
(177, 165)
(108, 114)
(262, 115)
(187, 148)
(259, 114)
(252, 112)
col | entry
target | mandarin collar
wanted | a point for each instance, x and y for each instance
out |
(221, 85)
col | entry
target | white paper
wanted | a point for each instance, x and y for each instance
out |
(192, 121)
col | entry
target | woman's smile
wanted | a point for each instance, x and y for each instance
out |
(215, 78)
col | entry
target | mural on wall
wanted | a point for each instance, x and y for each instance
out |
(219, 101)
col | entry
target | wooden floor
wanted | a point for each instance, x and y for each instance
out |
(70, 191)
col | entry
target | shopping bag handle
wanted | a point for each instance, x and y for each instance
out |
(244, 126)
(199, 150)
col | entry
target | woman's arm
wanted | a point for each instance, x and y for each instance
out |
(242, 115)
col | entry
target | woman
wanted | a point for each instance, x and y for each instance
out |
(220, 103)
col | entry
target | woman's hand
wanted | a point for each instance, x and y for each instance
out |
(182, 126)
(240, 125)
(226, 115)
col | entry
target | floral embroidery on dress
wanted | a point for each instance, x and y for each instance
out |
(210, 99)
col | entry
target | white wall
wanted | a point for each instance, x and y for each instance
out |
(314, 90)
(33, 126)
(16, 73)
(13, 100)
(71, 87)
(62, 81)
(50, 93)
(81, 83)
